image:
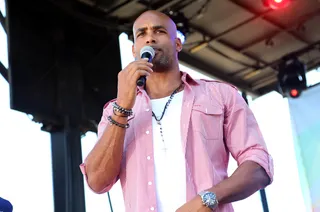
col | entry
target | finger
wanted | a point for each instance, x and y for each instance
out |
(139, 67)
(132, 67)
(138, 74)
(140, 62)
(144, 63)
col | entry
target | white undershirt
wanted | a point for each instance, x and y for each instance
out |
(170, 172)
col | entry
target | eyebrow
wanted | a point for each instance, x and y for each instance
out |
(143, 29)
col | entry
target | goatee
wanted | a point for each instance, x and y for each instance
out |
(161, 64)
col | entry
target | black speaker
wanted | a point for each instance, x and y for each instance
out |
(60, 65)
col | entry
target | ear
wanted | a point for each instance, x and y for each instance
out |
(133, 52)
(178, 45)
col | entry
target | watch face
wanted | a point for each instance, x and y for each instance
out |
(209, 199)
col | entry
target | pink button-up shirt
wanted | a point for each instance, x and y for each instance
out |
(215, 121)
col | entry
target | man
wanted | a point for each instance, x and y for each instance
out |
(169, 142)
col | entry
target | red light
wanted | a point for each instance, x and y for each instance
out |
(277, 4)
(294, 93)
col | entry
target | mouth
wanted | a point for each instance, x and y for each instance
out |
(156, 49)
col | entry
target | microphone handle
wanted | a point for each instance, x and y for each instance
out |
(142, 80)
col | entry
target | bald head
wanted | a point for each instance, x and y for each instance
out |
(156, 18)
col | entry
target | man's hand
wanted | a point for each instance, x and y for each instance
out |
(194, 205)
(127, 81)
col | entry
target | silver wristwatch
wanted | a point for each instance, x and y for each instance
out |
(209, 199)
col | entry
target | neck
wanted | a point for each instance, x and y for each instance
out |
(162, 84)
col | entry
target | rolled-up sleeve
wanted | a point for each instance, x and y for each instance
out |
(107, 110)
(242, 133)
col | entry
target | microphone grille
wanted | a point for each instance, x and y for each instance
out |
(148, 49)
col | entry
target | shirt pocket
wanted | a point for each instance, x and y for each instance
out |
(207, 120)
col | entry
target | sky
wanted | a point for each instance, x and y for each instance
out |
(25, 152)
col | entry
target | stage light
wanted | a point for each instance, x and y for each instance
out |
(294, 93)
(292, 78)
(276, 4)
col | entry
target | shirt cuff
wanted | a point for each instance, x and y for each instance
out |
(265, 161)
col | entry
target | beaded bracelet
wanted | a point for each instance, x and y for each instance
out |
(115, 109)
(114, 113)
(121, 109)
(117, 123)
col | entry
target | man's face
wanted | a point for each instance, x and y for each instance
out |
(159, 32)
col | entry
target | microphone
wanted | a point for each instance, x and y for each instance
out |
(145, 52)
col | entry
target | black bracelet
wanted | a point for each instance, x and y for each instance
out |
(117, 123)
(114, 113)
(122, 110)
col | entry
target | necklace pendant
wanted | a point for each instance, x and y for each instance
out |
(158, 122)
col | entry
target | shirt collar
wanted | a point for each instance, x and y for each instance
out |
(185, 78)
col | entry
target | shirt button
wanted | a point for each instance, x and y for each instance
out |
(147, 132)
(148, 158)
(152, 208)
(149, 183)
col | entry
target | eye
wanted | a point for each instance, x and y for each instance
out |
(160, 31)
(140, 34)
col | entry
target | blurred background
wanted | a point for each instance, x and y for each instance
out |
(59, 62)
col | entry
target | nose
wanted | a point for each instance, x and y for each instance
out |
(150, 39)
